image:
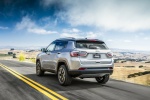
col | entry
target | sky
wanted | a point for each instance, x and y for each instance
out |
(123, 24)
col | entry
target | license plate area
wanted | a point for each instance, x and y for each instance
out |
(96, 55)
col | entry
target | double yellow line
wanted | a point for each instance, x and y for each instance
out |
(44, 90)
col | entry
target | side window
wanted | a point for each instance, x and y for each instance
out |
(51, 47)
(60, 45)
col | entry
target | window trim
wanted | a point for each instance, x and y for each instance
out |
(89, 42)
(58, 42)
(49, 45)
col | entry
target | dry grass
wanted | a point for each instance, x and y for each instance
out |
(27, 56)
(121, 73)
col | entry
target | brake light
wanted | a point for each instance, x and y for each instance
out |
(78, 53)
(74, 54)
(109, 54)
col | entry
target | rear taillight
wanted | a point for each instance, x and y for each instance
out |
(78, 53)
(74, 54)
(109, 54)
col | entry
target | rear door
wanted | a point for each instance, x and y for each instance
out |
(58, 52)
(96, 53)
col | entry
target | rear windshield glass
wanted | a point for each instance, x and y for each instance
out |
(91, 45)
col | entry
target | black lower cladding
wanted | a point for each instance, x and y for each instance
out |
(99, 70)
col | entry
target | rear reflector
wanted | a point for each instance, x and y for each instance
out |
(81, 68)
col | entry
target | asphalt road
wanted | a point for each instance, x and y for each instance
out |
(12, 88)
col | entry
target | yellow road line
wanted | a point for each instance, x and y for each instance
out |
(32, 85)
(39, 85)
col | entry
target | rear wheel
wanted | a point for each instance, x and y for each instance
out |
(39, 71)
(63, 77)
(102, 80)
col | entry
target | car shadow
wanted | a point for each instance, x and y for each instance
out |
(51, 81)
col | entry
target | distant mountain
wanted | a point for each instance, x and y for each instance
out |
(39, 47)
(128, 50)
(22, 48)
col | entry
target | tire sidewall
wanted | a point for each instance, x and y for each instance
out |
(104, 80)
(40, 71)
(68, 78)
(62, 66)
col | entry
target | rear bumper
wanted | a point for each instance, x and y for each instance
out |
(91, 72)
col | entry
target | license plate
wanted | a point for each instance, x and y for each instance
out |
(96, 56)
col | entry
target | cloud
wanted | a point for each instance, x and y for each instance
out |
(93, 35)
(79, 34)
(73, 30)
(25, 23)
(3, 28)
(130, 16)
(109, 40)
(74, 35)
(47, 3)
(127, 41)
(146, 38)
(40, 31)
(30, 26)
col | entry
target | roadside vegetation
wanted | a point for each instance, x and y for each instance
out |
(5, 55)
(132, 75)
(33, 60)
(21, 57)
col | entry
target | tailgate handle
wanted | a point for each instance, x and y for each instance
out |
(98, 62)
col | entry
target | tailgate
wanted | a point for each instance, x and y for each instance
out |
(95, 57)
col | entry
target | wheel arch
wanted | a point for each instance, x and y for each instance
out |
(61, 62)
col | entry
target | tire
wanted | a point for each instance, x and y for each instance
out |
(63, 77)
(103, 79)
(39, 71)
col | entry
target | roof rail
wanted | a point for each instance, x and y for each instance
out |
(67, 38)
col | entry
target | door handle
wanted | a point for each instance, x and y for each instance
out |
(58, 52)
(48, 53)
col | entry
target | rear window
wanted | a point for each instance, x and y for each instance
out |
(91, 45)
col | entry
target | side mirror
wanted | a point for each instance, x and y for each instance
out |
(43, 50)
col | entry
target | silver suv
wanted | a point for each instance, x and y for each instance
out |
(70, 58)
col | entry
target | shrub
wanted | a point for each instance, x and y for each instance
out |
(147, 62)
(21, 57)
(14, 55)
(141, 66)
(33, 60)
